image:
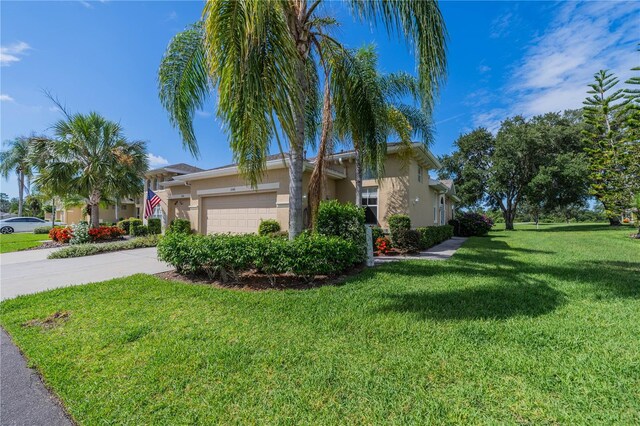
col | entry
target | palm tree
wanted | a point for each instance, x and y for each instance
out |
(370, 109)
(17, 159)
(262, 58)
(91, 158)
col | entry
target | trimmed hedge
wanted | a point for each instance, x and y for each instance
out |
(432, 235)
(269, 226)
(335, 219)
(155, 226)
(91, 249)
(406, 240)
(42, 230)
(226, 256)
(180, 226)
(398, 222)
(128, 223)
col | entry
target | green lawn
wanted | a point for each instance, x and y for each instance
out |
(524, 327)
(15, 242)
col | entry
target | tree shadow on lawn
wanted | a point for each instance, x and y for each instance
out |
(572, 228)
(488, 302)
(525, 289)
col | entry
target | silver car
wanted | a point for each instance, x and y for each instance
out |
(21, 224)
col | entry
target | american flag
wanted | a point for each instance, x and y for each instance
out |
(152, 201)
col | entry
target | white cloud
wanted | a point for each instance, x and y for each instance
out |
(13, 53)
(203, 113)
(5, 98)
(557, 66)
(501, 25)
(172, 16)
(483, 68)
(156, 160)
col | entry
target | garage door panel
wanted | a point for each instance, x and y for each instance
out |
(238, 213)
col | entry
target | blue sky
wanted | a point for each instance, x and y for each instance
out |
(505, 58)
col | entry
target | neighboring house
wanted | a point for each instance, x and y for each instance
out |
(219, 199)
(127, 207)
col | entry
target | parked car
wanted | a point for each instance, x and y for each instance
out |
(21, 224)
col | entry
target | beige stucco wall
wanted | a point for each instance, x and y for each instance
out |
(397, 193)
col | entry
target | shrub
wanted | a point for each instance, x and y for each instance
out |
(90, 249)
(42, 230)
(398, 222)
(60, 234)
(268, 226)
(226, 256)
(342, 220)
(406, 240)
(155, 226)
(128, 223)
(79, 233)
(473, 224)
(316, 254)
(382, 245)
(180, 225)
(432, 235)
(138, 230)
(376, 232)
(105, 233)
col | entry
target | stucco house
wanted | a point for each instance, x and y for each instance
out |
(127, 207)
(219, 199)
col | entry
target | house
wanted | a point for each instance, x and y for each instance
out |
(127, 207)
(219, 199)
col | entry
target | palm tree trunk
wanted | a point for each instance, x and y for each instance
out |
(53, 212)
(318, 175)
(358, 160)
(20, 192)
(117, 210)
(296, 157)
(94, 202)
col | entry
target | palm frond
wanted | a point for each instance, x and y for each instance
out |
(184, 83)
(422, 25)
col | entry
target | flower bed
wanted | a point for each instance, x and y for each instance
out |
(83, 234)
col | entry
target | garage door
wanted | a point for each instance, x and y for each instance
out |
(238, 213)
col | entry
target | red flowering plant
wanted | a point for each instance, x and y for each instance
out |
(60, 235)
(105, 233)
(383, 246)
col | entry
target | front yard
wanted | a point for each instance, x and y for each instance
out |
(520, 327)
(20, 241)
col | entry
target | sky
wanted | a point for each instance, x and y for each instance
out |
(504, 59)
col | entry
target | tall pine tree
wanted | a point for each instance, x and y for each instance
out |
(608, 145)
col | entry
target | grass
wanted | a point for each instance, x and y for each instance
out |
(20, 241)
(519, 327)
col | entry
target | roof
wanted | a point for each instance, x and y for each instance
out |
(447, 182)
(420, 149)
(180, 168)
(267, 158)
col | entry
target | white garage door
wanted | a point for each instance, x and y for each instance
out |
(238, 213)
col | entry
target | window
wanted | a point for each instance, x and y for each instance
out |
(419, 174)
(435, 215)
(370, 203)
(157, 212)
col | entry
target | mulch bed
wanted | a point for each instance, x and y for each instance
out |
(46, 245)
(254, 281)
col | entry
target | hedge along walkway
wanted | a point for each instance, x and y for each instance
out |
(442, 251)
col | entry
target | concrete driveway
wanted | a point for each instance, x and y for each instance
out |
(26, 272)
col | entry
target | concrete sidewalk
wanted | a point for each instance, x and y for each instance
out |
(25, 400)
(30, 271)
(442, 251)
